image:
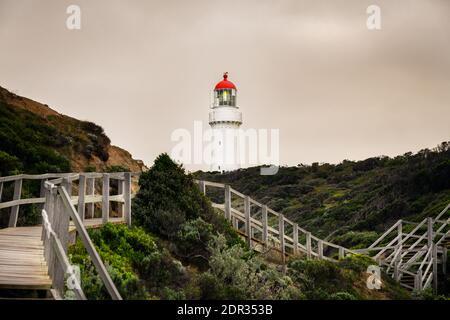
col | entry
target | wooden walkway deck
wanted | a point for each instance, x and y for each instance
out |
(22, 263)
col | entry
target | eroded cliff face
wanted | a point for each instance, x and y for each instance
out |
(83, 143)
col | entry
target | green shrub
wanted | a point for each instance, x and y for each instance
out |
(168, 198)
(342, 296)
(122, 249)
(236, 273)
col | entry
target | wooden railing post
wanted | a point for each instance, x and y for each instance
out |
(227, 203)
(400, 233)
(320, 249)
(308, 245)
(248, 225)
(435, 268)
(341, 253)
(265, 231)
(444, 260)
(41, 193)
(396, 273)
(81, 196)
(90, 191)
(281, 236)
(120, 188)
(61, 228)
(68, 185)
(295, 237)
(202, 186)
(430, 232)
(50, 207)
(418, 281)
(127, 198)
(15, 209)
(105, 198)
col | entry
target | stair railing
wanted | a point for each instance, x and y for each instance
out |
(60, 210)
(265, 227)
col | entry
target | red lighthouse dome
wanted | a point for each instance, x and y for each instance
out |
(225, 84)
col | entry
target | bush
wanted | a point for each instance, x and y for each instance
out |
(236, 273)
(168, 198)
(122, 250)
(342, 296)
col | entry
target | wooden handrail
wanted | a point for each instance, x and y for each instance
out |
(269, 233)
(58, 249)
(98, 263)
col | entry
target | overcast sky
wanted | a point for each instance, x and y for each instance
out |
(312, 69)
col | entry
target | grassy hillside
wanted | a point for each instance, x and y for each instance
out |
(37, 139)
(354, 201)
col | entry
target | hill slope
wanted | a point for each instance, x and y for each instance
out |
(36, 139)
(354, 201)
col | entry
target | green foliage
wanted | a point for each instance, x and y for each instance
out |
(342, 296)
(236, 273)
(9, 165)
(364, 197)
(193, 237)
(342, 280)
(121, 249)
(356, 239)
(171, 205)
(28, 143)
(117, 169)
(165, 188)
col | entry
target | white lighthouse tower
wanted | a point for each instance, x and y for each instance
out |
(225, 120)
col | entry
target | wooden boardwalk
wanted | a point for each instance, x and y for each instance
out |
(22, 262)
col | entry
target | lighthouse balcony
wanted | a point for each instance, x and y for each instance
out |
(229, 114)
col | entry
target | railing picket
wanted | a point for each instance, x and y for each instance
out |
(295, 237)
(202, 187)
(120, 205)
(281, 237)
(248, 225)
(265, 233)
(435, 268)
(320, 248)
(308, 245)
(341, 253)
(60, 228)
(90, 191)
(15, 209)
(444, 260)
(105, 195)
(430, 231)
(81, 196)
(127, 198)
(227, 197)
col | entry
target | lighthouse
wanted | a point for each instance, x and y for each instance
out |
(225, 120)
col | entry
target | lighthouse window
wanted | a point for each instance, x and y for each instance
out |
(227, 97)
